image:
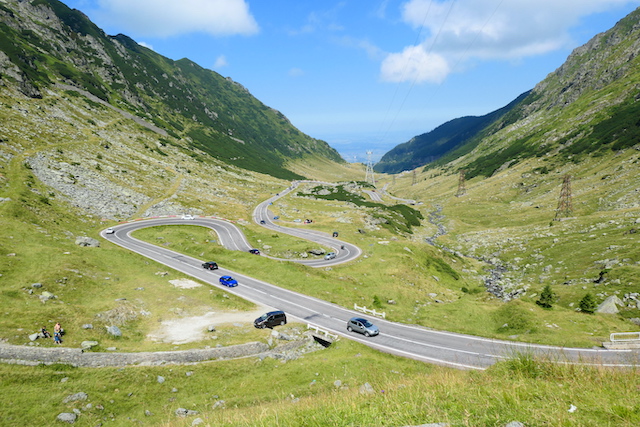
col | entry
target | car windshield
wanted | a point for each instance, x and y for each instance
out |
(264, 316)
(366, 323)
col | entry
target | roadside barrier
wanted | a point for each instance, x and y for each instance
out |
(368, 311)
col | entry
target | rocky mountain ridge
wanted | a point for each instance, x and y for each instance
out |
(43, 44)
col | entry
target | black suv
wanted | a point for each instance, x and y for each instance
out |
(270, 319)
(210, 265)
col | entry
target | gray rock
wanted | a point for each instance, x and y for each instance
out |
(610, 305)
(86, 345)
(160, 379)
(34, 337)
(148, 413)
(114, 330)
(366, 388)
(36, 285)
(515, 424)
(87, 326)
(219, 404)
(337, 383)
(197, 422)
(67, 417)
(211, 328)
(75, 397)
(85, 241)
(46, 296)
(182, 412)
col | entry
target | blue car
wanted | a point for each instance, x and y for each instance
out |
(228, 281)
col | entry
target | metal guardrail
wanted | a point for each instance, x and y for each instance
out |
(372, 312)
(624, 337)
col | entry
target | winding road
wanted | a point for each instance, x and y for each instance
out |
(438, 347)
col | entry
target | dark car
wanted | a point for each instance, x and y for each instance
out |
(362, 326)
(254, 251)
(262, 221)
(228, 281)
(270, 319)
(210, 265)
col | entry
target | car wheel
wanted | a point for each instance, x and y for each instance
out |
(282, 323)
(367, 334)
(349, 328)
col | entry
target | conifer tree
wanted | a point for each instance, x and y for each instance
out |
(546, 297)
(588, 304)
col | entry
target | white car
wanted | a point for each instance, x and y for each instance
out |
(330, 255)
(110, 231)
(187, 216)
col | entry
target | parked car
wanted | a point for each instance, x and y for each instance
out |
(228, 281)
(363, 326)
(330, 255)
(110, 230)
(254, 251)
(270, 319)
(210, 265)
(187, 216)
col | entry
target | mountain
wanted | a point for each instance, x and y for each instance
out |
(432, 145)
(46, 47)
(587, 107)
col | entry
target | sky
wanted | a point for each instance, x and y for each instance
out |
(367, 75)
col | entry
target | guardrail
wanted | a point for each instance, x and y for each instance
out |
(321, 331)
(372, 312)
(622, 337)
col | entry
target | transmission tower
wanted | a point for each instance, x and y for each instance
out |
(369, 174)
(461, 187)
(564, 203)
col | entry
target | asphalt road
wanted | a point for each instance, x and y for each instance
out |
(438, 347)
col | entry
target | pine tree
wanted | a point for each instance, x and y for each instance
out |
(546, 297)
(588, 304)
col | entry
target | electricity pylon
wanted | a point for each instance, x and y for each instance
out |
(369, 174)
(565, 208)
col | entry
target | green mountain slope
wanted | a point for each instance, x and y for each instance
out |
(443, 140)
(43, 43)
(587, 108)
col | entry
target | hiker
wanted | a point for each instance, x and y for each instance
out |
(45, 333)
(58, 329)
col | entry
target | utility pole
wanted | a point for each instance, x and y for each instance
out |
(369, 174)
(461, 187)
(565, 208)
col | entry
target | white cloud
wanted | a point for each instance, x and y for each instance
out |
(147, 45)
(165, 18)
(463, 30)
(415, 65)
(221, 62)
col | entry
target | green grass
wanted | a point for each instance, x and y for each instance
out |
(306, 392)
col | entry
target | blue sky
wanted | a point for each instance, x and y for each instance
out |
(366, 75)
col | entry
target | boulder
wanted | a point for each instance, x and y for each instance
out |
(76, 397)
(87, 241)
(114, 330)
(86, 345)
(610, 305)
(67, 417)
(34, 337)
